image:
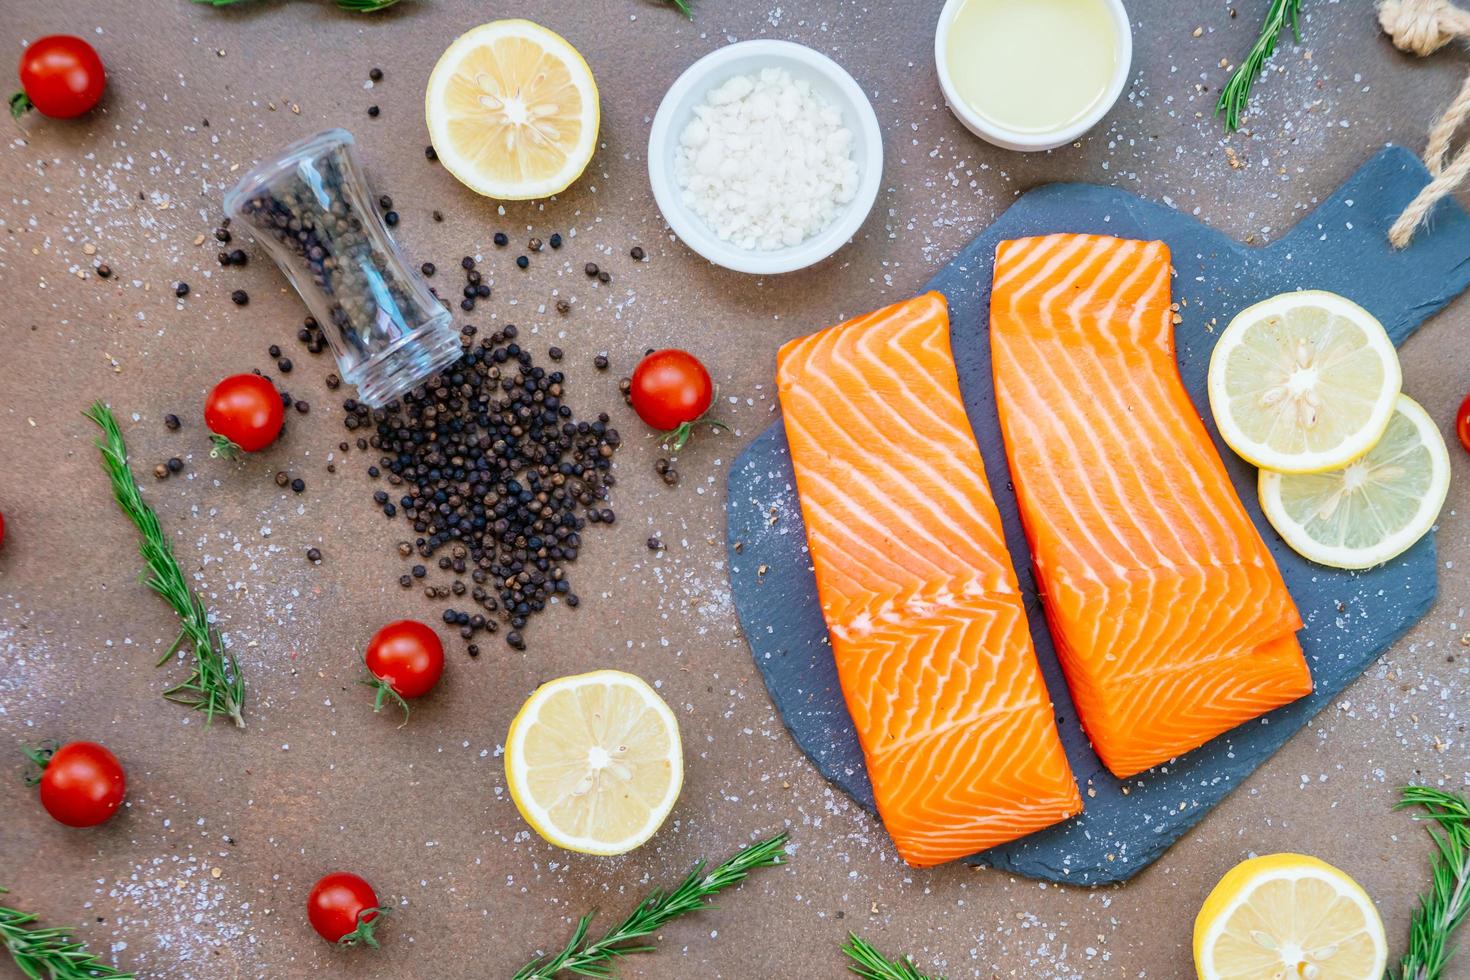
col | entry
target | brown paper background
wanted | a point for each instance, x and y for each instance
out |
(317, 782)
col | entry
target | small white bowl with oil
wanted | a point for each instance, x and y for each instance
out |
(1032, 74)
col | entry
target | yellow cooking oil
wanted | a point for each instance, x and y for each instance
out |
(1032, 66)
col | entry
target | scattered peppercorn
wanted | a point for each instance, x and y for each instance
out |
(376, 74)
(240, 297)
(171, 422)
(556, 240)
(303, 407)
(563, 307)
(604, 277)
(161, 471)
(501, 239)
(431, 154)
(591, 269)
(523, 261)
(298, 484)
(428, 269)
(284, 364)
(222, 235)
(600, 362)
(174, 464)
(473, 650)
(468, 305)
(181, 289)
(555, 353)
(672, 477)
(314, 556)
(637, 253)
(238, 257)
(273, 350)
(390, 219)
(333, 381)
(373, 111)
(105, 271)
(437, 215)
(406, 581)
(654, 544)
(282, 479)
(534, 244)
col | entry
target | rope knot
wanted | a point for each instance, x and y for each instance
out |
(1422, 26)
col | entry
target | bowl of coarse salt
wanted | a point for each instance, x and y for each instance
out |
(765, 157)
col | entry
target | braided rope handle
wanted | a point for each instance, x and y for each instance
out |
(1422, 27)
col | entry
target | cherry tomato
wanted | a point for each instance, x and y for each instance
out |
(244, 412)
(671, 388)
(62, 77)
(1462, 427)
(343, 909)
(405, 659)
(82, 783)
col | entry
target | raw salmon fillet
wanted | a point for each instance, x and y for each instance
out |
(1170, 617)
(917, 587)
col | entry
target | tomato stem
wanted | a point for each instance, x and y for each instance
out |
(365, 926)
(224, 448)
(20, 104)
(675, 439)
(40, 756)
(384, 690)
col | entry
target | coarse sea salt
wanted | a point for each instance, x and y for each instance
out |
(766, 162)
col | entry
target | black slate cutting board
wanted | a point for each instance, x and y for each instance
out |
(1351, 617)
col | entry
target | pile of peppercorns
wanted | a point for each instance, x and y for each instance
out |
(490, 467)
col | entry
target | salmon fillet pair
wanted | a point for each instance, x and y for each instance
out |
(1169, 617)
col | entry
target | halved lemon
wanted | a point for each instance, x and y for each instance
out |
(594, 762)
(512, 110)
(1303, 382)
(1371, 510)
(1288, 915)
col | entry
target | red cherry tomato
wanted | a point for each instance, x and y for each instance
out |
(671, 388)
(406, 659)
(244, 412)
(1462, 426)
(343, 909)
(62, 77)
(82, 784)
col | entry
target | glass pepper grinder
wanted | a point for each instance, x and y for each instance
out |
(311, 208)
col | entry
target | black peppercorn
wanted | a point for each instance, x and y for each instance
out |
(171, 422)
(604, 277)
(285, 365)
(273, 350)
(563, 307)
(431, 154)
(556, 240)
(298, 484)
(181, 289)
(105, 271)
(175, 464)
(314, 555)
(591, 269)
(467, 263)
(427, 268)
(600, 362)
(555, 353)
(637, 253)
(238, 257)
(501, 239)
(523, 261)
(390, 219)
(373, 111)
(240, 297)
(222, 235)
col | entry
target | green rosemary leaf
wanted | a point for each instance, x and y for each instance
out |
(50, 954)
(214, 686)
(1237, 91)
(870, 964)
(598, 958)
(683, 6)
(1444, 907)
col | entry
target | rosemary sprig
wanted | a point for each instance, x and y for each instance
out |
(683, 5)
(1237, 91)
(356, 6)
(598, 958)
(215, 686)
(50, 954)
(870, 964)
(1444, 906)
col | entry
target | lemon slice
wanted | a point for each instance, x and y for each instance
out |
(1303, 382)
(1288, 915)
(512, 110)
(594, 762)
(1371, 510)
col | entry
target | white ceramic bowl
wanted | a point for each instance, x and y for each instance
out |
(1009, 138)
(745, 58)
